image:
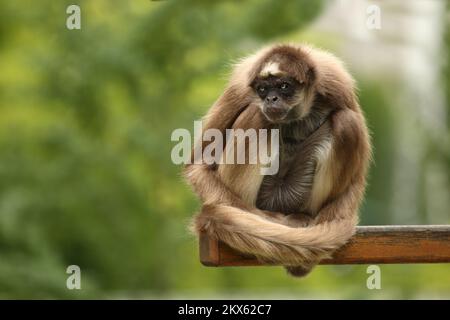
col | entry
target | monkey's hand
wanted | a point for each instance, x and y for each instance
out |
(291, 220)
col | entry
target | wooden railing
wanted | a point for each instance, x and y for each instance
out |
(370, 245)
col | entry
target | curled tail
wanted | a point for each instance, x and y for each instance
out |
(273, 242)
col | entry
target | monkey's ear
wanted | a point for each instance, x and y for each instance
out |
(311, 75)
(253, 73)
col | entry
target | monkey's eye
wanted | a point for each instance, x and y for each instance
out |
(284, 86)
(261, 89)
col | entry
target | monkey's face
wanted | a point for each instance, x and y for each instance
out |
(279, 97)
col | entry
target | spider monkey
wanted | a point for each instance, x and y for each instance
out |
(309, 208)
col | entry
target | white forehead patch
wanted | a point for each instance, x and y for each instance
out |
(271, 68)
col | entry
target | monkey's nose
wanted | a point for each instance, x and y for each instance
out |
(271, 98)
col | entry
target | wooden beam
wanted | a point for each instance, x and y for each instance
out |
(370, 245)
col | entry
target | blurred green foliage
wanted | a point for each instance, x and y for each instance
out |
(85, 171)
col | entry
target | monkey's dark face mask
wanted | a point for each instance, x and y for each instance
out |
(278, 96)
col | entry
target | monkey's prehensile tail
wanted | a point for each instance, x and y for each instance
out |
(273, 242)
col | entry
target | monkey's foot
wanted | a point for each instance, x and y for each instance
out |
(299, 271)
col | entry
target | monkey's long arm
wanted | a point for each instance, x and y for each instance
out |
(205, 179)
(335, 221)
(202, 177)
(211, 190)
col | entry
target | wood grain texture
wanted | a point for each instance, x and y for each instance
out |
(370, 245)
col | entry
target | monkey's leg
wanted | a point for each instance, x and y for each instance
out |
(210, 188)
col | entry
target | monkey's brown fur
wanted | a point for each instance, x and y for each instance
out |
(310, 207)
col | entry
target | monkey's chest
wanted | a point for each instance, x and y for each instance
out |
(289, 190)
